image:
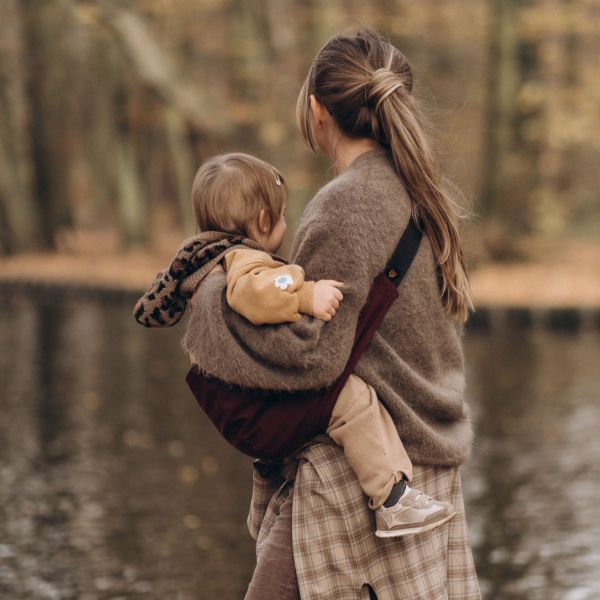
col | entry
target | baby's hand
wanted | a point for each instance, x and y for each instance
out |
(326, 299)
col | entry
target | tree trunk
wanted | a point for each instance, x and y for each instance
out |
(18, 218)
(501, 106)
(46, 29)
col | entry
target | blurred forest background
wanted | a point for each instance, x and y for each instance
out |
(112, 483)
(109, 106)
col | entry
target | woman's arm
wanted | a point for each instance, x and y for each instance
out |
(306, 354)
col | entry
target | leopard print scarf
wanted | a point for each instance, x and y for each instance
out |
(165, 302)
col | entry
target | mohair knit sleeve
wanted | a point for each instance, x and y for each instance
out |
(307, 354)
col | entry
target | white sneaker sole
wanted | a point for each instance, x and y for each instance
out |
(413, 530)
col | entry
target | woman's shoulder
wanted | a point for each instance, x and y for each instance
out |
(369, 187)
(338, 194)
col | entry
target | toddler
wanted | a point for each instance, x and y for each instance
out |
(242, 195)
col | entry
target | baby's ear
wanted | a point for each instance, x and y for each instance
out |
(264, 223)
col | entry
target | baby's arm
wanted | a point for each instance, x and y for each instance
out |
(267, 291)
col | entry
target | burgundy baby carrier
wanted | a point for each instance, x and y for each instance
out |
(272, 424)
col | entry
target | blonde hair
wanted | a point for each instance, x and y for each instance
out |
(230, 190)
(365, 83)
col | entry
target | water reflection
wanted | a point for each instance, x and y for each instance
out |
(534, 479)
(113, 483)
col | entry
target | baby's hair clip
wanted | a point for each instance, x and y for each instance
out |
(278, 179)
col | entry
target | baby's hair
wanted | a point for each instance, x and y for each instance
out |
(230, 190)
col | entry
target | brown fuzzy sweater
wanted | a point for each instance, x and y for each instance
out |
(415, 362)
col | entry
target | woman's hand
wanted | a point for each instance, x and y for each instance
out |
(326, 299)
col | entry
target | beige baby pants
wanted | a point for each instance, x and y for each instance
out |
(361, 425)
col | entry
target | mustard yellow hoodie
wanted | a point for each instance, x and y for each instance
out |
(265, 290)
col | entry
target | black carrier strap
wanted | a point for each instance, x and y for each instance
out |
(404, 253)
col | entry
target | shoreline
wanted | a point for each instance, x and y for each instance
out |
(493, 317)
(561, 297)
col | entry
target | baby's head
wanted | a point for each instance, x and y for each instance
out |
(241, 194)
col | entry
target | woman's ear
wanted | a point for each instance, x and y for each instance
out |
(324, 127)
(318, 111)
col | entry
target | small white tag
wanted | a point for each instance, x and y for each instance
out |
(283, 281)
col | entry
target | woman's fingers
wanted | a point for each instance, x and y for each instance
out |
(338, 295)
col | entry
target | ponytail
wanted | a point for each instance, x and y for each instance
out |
(414, 162)
(366, 84)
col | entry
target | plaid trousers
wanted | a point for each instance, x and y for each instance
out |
(336, 552)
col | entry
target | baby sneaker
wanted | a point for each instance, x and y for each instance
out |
(415, 512)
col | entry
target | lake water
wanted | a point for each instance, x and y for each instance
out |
(114, 485)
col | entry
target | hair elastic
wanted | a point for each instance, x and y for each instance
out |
(389, 92)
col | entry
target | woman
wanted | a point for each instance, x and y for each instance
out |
(313, 527)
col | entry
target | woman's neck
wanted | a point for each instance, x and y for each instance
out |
(347, 149)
